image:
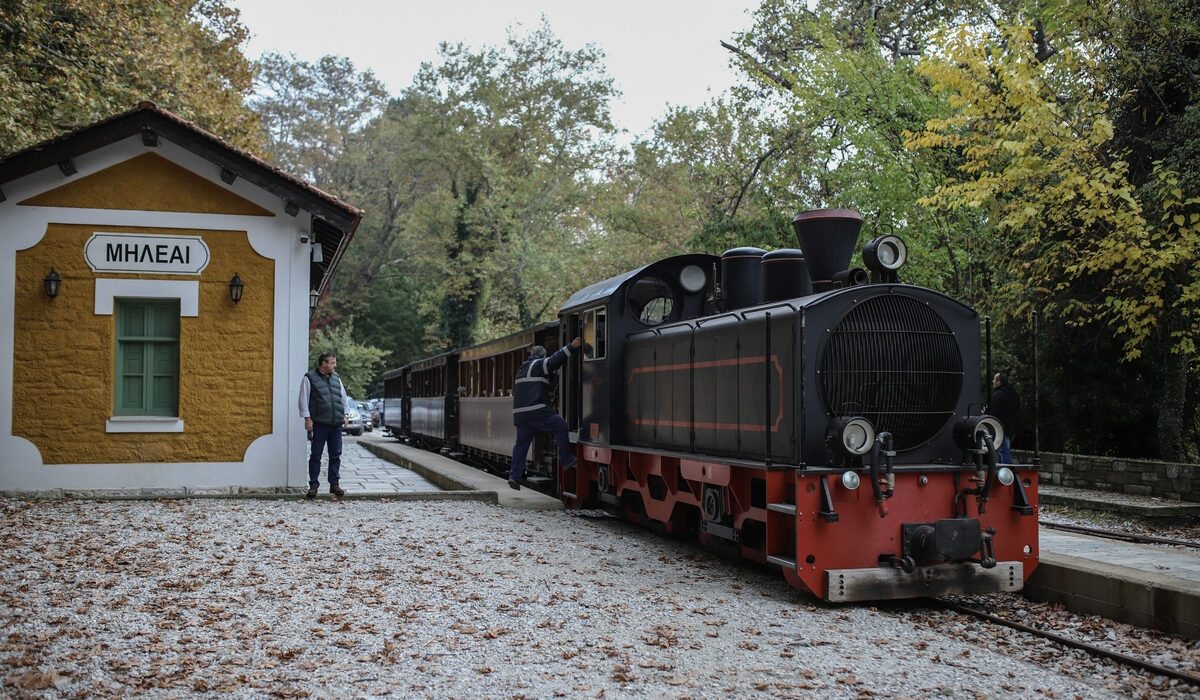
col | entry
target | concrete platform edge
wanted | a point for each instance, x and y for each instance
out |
(1117, 593)
(449, 474)
(394, 456)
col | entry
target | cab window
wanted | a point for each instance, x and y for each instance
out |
(650, 300)
(595, 333)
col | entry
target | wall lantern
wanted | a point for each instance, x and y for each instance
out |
(313, 298)
(52, 281)
(235, 288)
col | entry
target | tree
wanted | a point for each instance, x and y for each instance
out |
(1033, 127)
(841, 76)
(313, 113)
(694, 184)
(357, 364)
(495, 158)
(65, 64)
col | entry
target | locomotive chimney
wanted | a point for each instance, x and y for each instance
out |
(741, 277)
(827, 237)
(784, 275)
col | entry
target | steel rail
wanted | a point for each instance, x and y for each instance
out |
(1092, 649)
(1124, 536)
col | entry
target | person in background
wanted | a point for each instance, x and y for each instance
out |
(1003, 405)
(325, 409)
(531, 408)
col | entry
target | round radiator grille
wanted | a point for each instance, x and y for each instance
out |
(893, 361)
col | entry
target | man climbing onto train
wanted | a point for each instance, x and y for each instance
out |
(532, 413)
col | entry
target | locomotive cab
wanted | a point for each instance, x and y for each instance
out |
(604, 315)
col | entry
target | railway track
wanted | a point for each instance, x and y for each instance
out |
(1123, 536)
(1116, 657)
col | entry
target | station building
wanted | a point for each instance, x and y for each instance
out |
(155, 292)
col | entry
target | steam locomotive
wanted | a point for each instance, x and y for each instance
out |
(817, 418)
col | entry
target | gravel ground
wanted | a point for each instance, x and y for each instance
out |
(458, 599)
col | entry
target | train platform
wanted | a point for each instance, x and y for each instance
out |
(445, 473)
(1141, 506)
(1147, 585)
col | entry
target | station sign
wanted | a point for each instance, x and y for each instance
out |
(137, 252)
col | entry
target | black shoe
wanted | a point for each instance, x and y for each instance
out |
(312, 493)
(337, 490)
(514, 485)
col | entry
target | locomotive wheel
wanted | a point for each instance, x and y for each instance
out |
(711, 503)
(603, 479)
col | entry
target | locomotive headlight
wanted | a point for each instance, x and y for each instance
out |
(850, 480)
(885, 253)
(692, 279)
(968, 430)
(852, 436)
(1005, 476)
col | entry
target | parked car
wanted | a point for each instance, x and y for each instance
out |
(368, 415)
(355, 424)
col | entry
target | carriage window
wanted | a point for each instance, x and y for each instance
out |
(595, 333)
(650, 300)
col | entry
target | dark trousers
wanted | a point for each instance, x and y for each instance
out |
(1004, 451)
(552, 424)
(325, 434)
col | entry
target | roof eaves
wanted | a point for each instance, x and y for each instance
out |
(239, 162)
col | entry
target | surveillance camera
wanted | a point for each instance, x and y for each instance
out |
(304, 237)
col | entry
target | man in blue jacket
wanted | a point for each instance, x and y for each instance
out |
(532, 413)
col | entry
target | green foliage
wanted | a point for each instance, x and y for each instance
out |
(313, 115)
(843, 86)
(1037, 163)
(1092, 241)
(482, 194)
(357, 363)
(68, 63)
(695, 184)
(388, 321)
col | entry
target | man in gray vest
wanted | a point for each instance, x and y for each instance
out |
(325, 409)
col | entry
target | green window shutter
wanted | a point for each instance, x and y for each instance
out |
(147, 357)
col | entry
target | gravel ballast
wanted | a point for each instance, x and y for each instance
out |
(293, 598)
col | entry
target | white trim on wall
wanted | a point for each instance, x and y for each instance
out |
(186, 291)
(143, 424)
(188, 294)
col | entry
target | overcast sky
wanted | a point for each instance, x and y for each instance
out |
(658, 52)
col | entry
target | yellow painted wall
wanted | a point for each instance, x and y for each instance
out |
(64, 354)
(147, 182)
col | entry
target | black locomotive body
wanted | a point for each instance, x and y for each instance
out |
(745, 384)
